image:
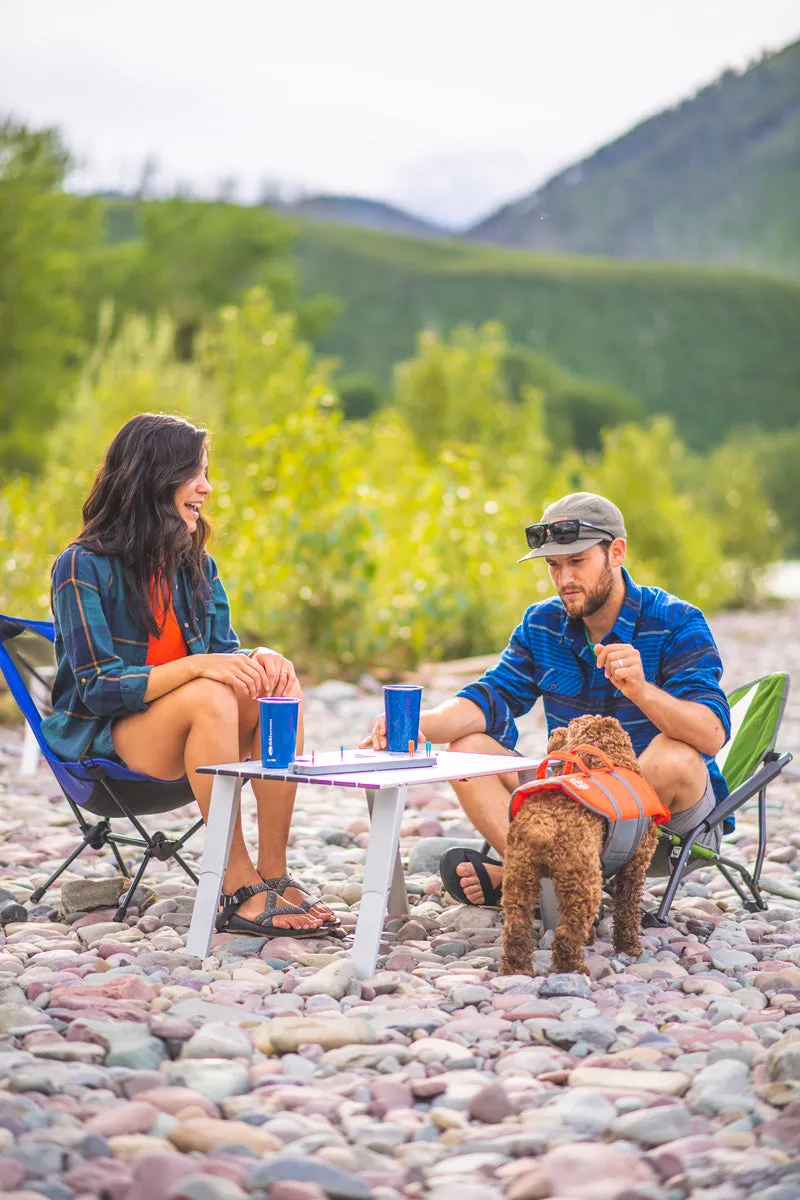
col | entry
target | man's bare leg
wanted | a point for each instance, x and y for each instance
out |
(676, 770)
(485, 802)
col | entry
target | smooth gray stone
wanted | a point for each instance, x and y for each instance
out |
(17, 1015)
(205, 1187)
(225, 1013)
(423, 859)
(339, 1184)
(724, 959)
(129, 1044)
(565, 985)
(216, 1079)
(39, 1159)
(598, 1032)
(654, 1126)
(87, 894)
(51, 1189)
(585, 1110)
(216, 1040)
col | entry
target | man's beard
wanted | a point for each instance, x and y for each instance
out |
(587, 604)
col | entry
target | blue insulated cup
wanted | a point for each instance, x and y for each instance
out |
(279, 716)
(401, 704)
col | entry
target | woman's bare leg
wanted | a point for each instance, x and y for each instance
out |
(194, 726)
(274, 803)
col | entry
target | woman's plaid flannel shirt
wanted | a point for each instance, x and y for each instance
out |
(101, 647)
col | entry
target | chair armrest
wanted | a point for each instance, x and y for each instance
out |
(765, 774)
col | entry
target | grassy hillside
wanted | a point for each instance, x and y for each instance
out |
(715, 179)
(715, 349)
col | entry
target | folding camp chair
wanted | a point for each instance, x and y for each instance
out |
(749, 762)
(98, 786)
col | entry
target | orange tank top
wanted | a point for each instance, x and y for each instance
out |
(170, 645)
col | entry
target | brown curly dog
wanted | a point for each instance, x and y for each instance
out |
(552, 833)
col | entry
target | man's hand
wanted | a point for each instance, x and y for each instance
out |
(377, 739)
(622, 665)
(279, 673)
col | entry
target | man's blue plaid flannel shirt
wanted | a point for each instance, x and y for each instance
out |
(548, 656)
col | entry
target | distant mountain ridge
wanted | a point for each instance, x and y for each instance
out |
(715, 179)
(369, 214)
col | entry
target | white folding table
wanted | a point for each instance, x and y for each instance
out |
(383, 873)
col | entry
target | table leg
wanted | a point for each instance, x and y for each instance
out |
(225, 796)
(381, 863)
(398, 897)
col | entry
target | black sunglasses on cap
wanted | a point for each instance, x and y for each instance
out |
(562, 532)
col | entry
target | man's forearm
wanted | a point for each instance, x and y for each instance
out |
(684, 720)
(455, 718)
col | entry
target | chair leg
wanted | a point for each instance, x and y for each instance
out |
(121, 912)
(673, 885)
(95, 836)
(181, 842)
(120, 862)
(758, 903)
(762, 835)
(185, 867)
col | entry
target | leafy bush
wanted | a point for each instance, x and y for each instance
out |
(377, 542)
(45, 235)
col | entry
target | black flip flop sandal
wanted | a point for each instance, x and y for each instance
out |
(279, 884)
(228, 920)
(456, 855)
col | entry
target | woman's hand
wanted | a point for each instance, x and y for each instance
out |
(242, 673)
(278, 671)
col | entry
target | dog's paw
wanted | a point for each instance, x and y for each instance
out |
(628, 953)
(507, 967)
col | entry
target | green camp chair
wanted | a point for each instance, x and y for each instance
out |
(749, 763)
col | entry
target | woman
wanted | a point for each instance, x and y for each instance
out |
(149, 669)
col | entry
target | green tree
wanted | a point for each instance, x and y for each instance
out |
(360, 395)
(774, 459)
(577, 411)
(45, 238)
(186, 258)
(455, 393)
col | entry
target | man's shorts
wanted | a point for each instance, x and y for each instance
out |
(684, 822)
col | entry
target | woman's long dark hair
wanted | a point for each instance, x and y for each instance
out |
(130, 511)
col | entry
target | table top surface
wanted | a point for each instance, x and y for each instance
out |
(450, 765)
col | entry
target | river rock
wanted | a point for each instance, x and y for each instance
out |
(206, 1133)
(216, 1040)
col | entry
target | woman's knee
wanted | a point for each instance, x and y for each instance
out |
(207, 699)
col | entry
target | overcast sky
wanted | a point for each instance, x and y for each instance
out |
(448, 107)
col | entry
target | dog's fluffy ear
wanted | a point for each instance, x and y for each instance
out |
(557, 739)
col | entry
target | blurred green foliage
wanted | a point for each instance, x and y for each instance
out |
(375, 542)
(187, 258)
(713, 349)
(45, 235)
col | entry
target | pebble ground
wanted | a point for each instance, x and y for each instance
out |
(131, 1071)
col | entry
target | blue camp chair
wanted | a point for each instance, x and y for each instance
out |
(98, 786)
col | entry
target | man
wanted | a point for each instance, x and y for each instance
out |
(602, 645)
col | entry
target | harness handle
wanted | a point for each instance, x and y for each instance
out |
(573, 761)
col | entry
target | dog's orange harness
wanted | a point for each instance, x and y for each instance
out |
(622, 796)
